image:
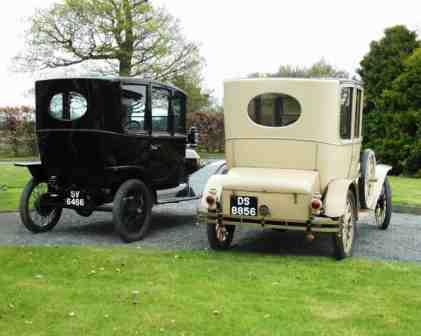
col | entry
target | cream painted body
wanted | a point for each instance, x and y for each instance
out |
(286, 167)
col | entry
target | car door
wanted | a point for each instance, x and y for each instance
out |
(167, 161)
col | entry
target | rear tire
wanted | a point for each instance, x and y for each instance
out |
(383, 211)
(132, 210)
(220, 236)
(343, 241)
(36, 217)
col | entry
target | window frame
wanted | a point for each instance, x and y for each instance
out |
(351, 113)
(278, 114)
(358, 113)
(126, 87)
(66, 114)
(169, 117)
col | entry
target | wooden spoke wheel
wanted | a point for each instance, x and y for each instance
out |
(343, 241)
(220, 236)
(383, 210)
(35, 215)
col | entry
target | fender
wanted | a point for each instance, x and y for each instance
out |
(381, 174)
(335, 199)
(36, 169)
(213, 188)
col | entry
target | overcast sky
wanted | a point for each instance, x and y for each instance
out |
(238, 37)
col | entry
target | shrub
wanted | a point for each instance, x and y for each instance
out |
(211, 129)
(19, 130)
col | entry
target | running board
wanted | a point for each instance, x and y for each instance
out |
(177, 200)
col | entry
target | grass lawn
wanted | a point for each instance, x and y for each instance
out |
(406, 191)
(121, 291)
(12, 180)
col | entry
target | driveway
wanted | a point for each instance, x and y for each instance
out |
(174, 228)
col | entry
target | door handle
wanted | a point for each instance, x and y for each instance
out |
(154, 147)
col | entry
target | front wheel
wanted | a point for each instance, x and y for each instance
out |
(343, 241)
(36, 216)
(220, 236)
(132, 210)
(383, 211)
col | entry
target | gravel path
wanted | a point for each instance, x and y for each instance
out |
(174, 228)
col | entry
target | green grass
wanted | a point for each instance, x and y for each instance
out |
(88, 291)
(12, 180)
(214, 156)
(406, 191)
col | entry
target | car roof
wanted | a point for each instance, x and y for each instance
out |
(306, 80)
(121, 79)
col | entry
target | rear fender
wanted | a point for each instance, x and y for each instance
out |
(381, 174)
(36, 169)
(213, 188)
(335, 198)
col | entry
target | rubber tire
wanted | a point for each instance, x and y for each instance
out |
(118, 208)
(388, 217)
(338, 246)
(24, 211)
(213, 240)
(367, 155)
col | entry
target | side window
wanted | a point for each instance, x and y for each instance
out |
(160, 109)
(358, 108)
(346, 113)
(179, 108)
(274, 110)
(133, 103)
(68, 106)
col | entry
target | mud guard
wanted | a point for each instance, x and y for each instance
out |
(335, 199)
(35, 168)
(381, 174)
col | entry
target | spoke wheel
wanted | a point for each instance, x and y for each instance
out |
(343, 241)
(220, 236)
(132, 210)
(35, 216)
(383, 210)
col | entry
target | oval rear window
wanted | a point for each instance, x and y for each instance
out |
(68, 106)
(274, 110)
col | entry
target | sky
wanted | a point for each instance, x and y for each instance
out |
(238, 37)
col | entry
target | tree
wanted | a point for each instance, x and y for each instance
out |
(320, 69)
(192, 85)
(125, 37)
(385, 61)
(405, 91)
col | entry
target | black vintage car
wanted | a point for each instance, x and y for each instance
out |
(104, 141)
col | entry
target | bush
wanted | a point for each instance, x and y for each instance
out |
(19, 130)
(211, 129)
(394, 136)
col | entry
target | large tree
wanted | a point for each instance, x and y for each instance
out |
(125, 37)
(385, 61)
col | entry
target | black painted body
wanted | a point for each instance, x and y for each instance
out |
(95, 153)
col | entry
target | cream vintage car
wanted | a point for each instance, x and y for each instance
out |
(294, 162)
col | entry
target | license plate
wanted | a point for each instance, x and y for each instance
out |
(244, 206)
(75, 199)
